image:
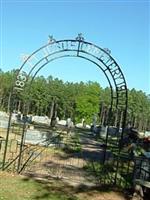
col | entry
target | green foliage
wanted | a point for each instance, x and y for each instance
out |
(73, 144)
(87, 103)
(106, 174)
(6, 83)
(75, 100)
(139, 109)
(14, 187)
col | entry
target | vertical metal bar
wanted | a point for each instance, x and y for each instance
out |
(134, 171)
(9, 102)
(6, 142)
(21, 146)
(127, 173)
(121, 140)
(141, 162)
(78, 48)
(117, 167)
(121, 170)
(106, 141)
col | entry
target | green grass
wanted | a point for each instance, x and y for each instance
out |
(14, 187)
(106, 173)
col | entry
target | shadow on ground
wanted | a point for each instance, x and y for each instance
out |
(51, 188)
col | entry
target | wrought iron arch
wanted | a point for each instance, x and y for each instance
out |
(77, 48)
(74, 48)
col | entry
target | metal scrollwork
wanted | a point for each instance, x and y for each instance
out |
(76, 48)
(51, 40)
(80, 37)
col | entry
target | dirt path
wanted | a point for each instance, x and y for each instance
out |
(69, 166)
(14, 186)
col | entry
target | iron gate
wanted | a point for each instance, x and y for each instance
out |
(18, 152)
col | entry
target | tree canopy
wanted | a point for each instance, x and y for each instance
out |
(75, 100)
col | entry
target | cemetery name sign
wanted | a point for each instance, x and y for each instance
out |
(75, 48)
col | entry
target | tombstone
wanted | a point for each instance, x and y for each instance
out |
(41, 119)
(103, 131)
(35, 137)
(69, 123)
(4, 123)
(62, 122)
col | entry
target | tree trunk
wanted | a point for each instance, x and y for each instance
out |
(8, 105)
(52, 109)
(116, 118)
(19, 105)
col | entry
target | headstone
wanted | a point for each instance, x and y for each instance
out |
(147, 134)
(35, 137)
(41, 119)
(62, 122)
(3, 123)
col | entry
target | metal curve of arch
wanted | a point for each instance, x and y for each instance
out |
(82, 49)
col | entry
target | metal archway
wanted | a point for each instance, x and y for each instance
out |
(76, 48)
(70, 48)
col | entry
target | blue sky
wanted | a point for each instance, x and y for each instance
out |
(121, 26)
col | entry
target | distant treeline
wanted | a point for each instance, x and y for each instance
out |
(53, 97)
